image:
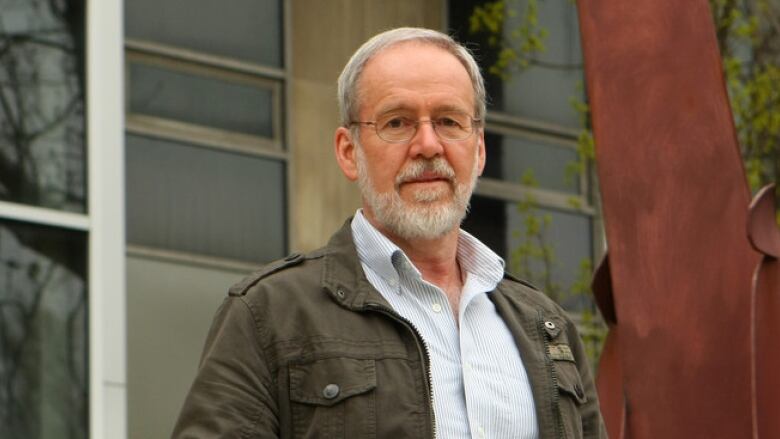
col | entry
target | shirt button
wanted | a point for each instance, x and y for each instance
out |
(481, 432)
(436, 308)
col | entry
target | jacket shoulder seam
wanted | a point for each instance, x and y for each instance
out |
(537, 297)
(521, 281)
(292, 260)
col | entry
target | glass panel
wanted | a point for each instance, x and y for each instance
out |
(244, 29)
(204, 201)
(503, 226)
(42, 147)
(203, 100)
(543, 90)
(43, 333)
(509, 158)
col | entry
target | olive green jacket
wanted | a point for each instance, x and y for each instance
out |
(306, 347)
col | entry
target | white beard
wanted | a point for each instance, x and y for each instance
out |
(431, 214)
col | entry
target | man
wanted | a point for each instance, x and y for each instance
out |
(403, 326)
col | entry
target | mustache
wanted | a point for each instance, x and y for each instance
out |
(416, 169)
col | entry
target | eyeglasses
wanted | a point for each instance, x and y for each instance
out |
(398, 129)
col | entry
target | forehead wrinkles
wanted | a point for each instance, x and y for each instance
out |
(371, 64)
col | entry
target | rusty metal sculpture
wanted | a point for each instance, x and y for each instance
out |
(683, 358)
(765, 237)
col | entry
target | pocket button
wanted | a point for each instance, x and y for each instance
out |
(330, 391)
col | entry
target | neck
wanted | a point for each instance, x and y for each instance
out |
(436, 259)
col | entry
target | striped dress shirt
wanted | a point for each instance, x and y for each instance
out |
(480, 387)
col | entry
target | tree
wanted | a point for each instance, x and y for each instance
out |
(748, 33)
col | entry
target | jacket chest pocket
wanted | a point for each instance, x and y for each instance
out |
(332, 398)
(571, 394)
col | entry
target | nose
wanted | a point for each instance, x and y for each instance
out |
(426, 142)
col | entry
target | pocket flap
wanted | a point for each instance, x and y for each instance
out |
(569, 381)
(329, 381)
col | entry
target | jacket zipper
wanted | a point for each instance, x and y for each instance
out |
(426, 354)
(553, 376)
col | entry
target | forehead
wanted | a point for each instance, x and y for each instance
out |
(414, 75)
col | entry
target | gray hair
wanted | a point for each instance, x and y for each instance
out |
(350, 76)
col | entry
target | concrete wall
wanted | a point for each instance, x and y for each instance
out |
(323, 37)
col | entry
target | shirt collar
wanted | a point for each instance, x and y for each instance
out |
(377, 252)
(373, 248)
(478, 260)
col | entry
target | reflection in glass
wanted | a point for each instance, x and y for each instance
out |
(204, 201)
(43, 333)
(202, 100)
(42, 152)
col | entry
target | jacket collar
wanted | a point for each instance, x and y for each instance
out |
(342, 274)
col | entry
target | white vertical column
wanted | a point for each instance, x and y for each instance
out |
(105, 139)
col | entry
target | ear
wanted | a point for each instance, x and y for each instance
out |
(345, 153)
(481, 151)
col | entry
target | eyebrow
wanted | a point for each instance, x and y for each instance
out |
(392, 108)
(396, 107)
(450, 108)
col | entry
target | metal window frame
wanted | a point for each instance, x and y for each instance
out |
(203, 59)
(105, 171)
(44, 216)
(197, 135)
(567, 201)
(191, 259)
(514, 191)
(212, 67)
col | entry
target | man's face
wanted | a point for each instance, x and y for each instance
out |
(421, 188)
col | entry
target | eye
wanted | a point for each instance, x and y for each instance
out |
(448, 122)
(395, 123)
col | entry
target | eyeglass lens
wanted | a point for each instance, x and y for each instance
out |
(449, 126)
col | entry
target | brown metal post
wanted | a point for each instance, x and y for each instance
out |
(609, 380)
(765, 238)
(675, 211)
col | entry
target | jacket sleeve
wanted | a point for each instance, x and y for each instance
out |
(592, 422)
(233, 395)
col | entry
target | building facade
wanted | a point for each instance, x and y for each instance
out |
(154, 153)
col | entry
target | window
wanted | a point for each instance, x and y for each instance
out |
(206, 162)
(44, 223)
(529, 206)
